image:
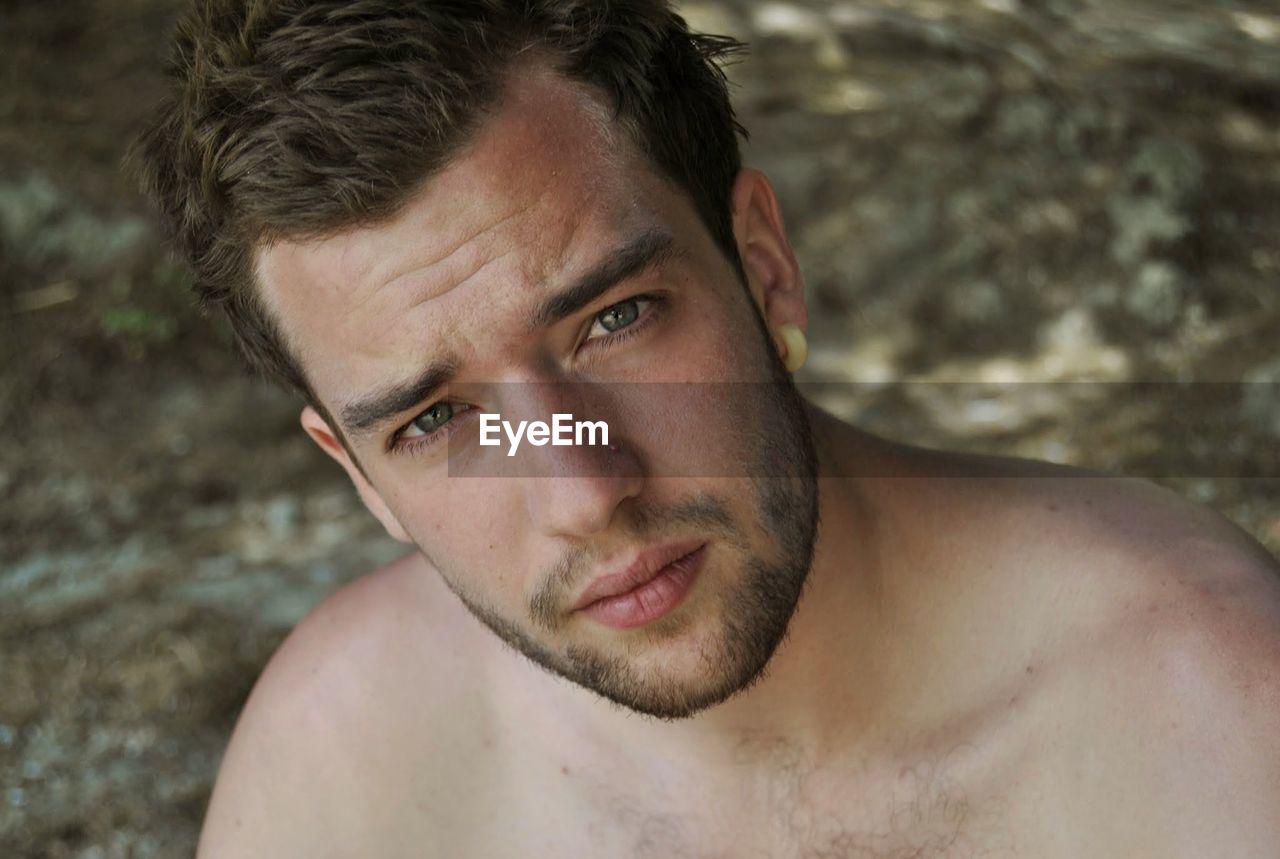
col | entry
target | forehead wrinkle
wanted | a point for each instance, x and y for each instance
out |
(529, 277)
(489, 174)
(417, 266)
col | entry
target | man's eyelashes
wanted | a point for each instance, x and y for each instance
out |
(612, 326)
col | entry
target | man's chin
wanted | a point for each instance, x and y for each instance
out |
(671, 678)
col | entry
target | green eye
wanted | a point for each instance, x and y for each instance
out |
(620, 315)
(433, 418)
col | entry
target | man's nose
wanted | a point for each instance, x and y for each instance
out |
(582, 505)
(575, 490)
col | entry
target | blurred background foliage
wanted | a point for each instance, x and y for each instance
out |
(1010, 214)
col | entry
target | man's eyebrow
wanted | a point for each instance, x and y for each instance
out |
(367, 414)
(638, 254)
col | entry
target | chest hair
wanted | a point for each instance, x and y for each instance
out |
(924, 812)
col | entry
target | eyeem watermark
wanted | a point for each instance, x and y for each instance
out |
(563, 430)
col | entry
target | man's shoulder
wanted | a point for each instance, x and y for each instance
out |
(1175, 593)
(1165, 670)
(1170, 714)
(356, 641)
(1075, 554)
(1141, 551)
(368, 681)
(1062, 528)
(1142, 573)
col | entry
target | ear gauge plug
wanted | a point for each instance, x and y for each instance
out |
(795, 346)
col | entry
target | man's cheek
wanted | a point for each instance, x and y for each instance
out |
(483, 548)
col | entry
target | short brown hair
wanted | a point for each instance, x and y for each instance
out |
(294, 119)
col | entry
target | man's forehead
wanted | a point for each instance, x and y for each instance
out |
(548, 140)
(542, 180)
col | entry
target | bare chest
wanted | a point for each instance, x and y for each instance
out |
(930, 811)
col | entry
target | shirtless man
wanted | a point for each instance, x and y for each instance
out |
(418, 212)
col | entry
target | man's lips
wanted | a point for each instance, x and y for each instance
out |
(645, 568)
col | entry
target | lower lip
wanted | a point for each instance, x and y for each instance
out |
(651, 600)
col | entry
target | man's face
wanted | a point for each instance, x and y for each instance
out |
(549, 269)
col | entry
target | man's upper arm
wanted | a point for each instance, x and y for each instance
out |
(1224, 740)
(319, 737)
(1182, 757)
(279, 790)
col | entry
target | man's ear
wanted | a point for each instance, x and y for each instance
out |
(323, 435)
(773, 275)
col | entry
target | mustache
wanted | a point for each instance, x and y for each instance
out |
(644, 522)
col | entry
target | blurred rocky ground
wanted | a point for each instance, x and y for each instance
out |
(1045, 227)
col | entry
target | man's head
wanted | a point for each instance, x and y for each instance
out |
(575, 234)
